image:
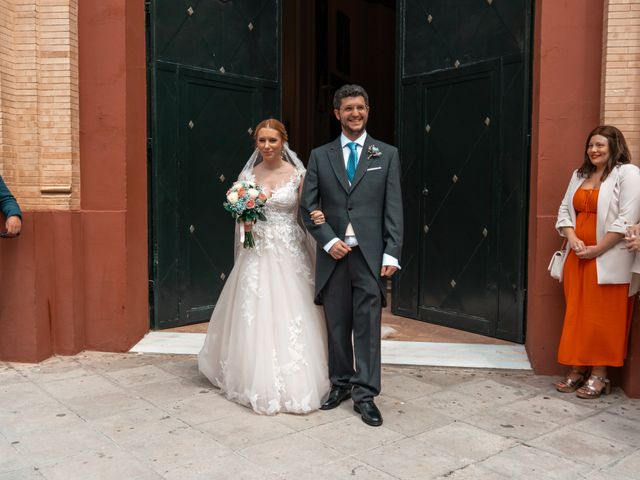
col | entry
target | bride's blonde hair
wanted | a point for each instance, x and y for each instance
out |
(273, 124)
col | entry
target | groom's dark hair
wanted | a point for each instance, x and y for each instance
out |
(349, 91)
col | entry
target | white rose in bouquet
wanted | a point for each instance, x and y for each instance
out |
(232, 198)
(253, 193)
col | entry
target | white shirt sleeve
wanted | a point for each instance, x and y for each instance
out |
(330, 244)
(389, 261)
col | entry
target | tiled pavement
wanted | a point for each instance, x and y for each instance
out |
(128, 416)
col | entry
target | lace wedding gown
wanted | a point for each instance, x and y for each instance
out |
(266, 344)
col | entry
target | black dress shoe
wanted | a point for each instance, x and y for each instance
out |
(336, 397)
(369, 413)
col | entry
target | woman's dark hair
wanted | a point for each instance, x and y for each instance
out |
(618, 151)
(349, 91)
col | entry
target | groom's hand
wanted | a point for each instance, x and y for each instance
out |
(387, 271)
(339, 250)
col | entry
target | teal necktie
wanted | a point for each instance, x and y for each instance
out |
(353, 160)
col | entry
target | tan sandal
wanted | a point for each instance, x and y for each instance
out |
(589, 391)
(570, 383)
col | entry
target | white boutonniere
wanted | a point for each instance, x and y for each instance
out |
(373, 152)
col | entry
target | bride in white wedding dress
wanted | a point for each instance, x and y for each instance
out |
(266, 345)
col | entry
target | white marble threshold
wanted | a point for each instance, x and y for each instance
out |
(467, 355)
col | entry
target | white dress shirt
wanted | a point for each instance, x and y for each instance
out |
(349, 235)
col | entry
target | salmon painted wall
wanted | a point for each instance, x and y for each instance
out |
(113, 163)
(78, 280)
(566, 106)
(25, 329)
(567, 54)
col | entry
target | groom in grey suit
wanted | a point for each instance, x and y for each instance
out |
(355, 181)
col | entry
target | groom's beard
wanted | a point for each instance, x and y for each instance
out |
(351, 131)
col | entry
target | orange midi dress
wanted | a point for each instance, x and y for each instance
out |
(597, 319)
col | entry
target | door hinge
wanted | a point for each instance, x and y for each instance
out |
(147, 6)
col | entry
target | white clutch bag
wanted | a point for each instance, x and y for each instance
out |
(556, 265)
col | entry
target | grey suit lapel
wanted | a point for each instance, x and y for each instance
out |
(362, 162)
(336, 160)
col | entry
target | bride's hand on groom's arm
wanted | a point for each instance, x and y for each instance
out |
(317, 217)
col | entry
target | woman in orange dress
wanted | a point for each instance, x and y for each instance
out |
(601, 202)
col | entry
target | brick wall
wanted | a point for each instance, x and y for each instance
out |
(621, 70)
(39, 125)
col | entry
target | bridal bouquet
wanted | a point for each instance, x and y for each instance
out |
(245, 201)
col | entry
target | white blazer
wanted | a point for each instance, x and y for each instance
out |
(634, 287)
(618, 208)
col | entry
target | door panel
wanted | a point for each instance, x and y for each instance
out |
(239, 37)
(164, 209)
(406, 286)
(437, 33)
(463, 130)
(215, 74)
(457, 267)
(513, 195)
(213, 150)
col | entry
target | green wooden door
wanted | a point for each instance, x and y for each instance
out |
(214, 73)
(463, 131)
